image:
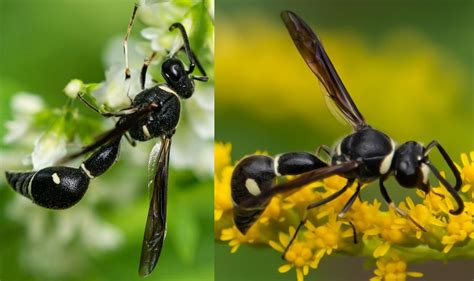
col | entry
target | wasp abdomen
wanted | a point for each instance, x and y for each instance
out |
(255, 174)
(20, 181)
(295, 163)
(52, 187)
(101, 160)
(251, 176)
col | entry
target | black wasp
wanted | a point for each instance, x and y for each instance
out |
(363, 156)
(154, 113)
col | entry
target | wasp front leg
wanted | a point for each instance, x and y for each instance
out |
(256, 173)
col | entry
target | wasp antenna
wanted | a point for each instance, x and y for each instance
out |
(187, 47)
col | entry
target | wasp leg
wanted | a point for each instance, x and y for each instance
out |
(389, 201)
(120, 129)
(125, 50)
(146, 63)
(354, 232)
(125, 41)
(314, 205)
(123, 112)
(350, 201)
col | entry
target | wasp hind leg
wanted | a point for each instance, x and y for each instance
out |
(314, 205)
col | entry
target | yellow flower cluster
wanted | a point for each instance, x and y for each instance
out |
(390, 240)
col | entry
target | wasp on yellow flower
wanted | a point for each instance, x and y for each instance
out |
(364, 156)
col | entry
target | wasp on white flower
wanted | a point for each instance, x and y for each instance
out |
(139, 114)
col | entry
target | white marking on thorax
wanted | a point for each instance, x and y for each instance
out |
(338, 148)
(88, 173)
(56, 178)
(167, 89)
(252, 187)
(425, 170)
(275, 165)
(145, 131)
(387, 161)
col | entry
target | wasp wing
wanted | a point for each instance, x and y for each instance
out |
(121, 127)
(155, 229)
(312, 51)
(305, 178)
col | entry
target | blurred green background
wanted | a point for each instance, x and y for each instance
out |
(43, 45)
(408, 65)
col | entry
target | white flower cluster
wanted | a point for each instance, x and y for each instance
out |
(57, 234)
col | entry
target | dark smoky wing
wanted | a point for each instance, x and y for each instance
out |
(312, 51)
(304, 179)
(155, 229)
(121, 128)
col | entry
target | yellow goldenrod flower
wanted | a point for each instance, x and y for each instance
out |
(272, 212)
(364, 216)
(327, 237)
(222, 199)
(459, 228)
(236, 238)
(221, 156)
(391, 228)
(467, 174)
(300, 255)
(392, 269)
(392, 240)
(423, 215)
(303, 197)
(334, 182)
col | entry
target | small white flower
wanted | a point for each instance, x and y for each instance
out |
(115, 91)
(200, 112)
(49, 148)
(24, 107)
(16, 129)
(61, 236)
(73, 88)
(25, 103)
(161, 39)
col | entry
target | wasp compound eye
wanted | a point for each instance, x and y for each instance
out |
(172, 70)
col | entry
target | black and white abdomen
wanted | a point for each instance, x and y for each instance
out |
(373, 148)
(256, 173)
(62, 187)
(52, 187)
(163, 120)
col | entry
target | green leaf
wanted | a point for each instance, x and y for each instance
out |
(185, 230)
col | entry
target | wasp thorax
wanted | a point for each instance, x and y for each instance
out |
(176, 76)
